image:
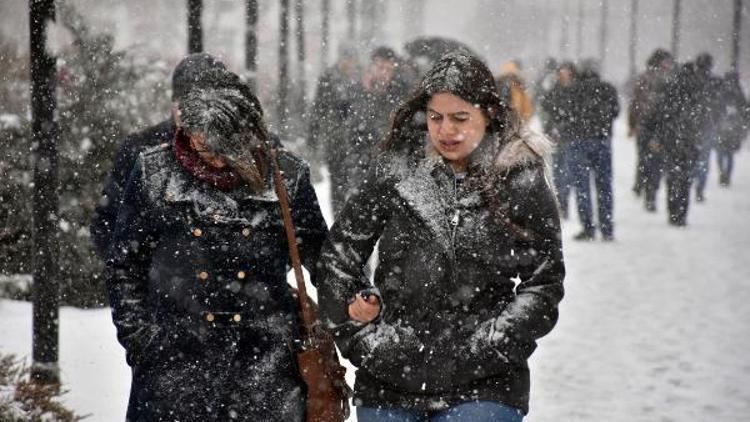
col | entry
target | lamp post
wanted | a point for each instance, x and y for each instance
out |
(46, 292)
(195, 29)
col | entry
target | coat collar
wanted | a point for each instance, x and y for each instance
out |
(428, 186)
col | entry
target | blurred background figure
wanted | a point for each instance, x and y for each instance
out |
(543, 84)
(710, 87)
(648, 87)
(679, 118)
(558, 104)
(373, 100)
(732, 126)
(512, 89)
(331, 108)
(595, 107)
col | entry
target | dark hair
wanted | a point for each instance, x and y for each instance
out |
(464, 76)
(570, 66)
(231, 118)
(704, 61)
(658, 57)
(198, 69)
(383, 53)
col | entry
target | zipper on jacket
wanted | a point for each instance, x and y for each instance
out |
(454, 222)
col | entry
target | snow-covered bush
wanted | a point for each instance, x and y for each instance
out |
(22, 401)
(102, 95)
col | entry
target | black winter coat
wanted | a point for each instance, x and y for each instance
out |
(368, 122)
(680, 117)
(454, 327)
(596, 108)
(103, 222)
(102, 225)
(197, 283)
(560, 107)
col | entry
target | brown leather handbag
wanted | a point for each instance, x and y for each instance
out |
(327, 391)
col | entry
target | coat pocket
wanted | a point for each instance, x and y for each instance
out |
(391, 353)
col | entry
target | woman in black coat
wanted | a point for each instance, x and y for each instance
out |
(197, 276)
(462, 208)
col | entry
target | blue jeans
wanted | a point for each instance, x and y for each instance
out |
(702, 167)
(474, 411)
(561, 177)
(587, 156)
(725, 159)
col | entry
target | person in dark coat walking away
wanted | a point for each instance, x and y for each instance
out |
(199, 69)
(710, 87)
(330, 111)
(559, 107)
(678, 119)
(197, 273)
(381, 90)
(733, 126)
(648, 87)
(460, 204)
(590, 151)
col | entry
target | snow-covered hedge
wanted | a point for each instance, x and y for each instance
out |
(102, 95)
(22, 401)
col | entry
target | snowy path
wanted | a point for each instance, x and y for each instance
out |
(654, 327)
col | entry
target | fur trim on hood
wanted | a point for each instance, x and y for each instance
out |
(527, 148)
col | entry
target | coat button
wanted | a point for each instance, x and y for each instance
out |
(203, 275)
(241, 275)
(237, 318)
(197, 232)
(246, 232)
(210, 317)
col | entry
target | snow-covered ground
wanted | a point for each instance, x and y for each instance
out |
(653, 327)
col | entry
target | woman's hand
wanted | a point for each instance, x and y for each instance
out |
(364, 309)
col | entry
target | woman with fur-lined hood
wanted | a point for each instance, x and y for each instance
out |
(461, 206)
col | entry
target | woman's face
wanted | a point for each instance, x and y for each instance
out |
(456, 128)
(198, 143)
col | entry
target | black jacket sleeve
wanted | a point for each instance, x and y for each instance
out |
(345, 254)
(311, 228)
(135, 236)
(103, 223)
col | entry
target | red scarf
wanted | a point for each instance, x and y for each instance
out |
(221, 178)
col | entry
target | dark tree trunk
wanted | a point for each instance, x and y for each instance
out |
(676, 11)
(283, 64)
(299, 12)
(579, 31)
(603, 36)
(195, 29)
(351, 17)
(633, 38)
(251, 41)
(564, 28)
(372, 13)
(415, 25)
(45, 201)
(325, 34)
(736, 30)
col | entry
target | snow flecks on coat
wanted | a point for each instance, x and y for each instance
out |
(374, 336)
(199, 294)
(445, 281)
